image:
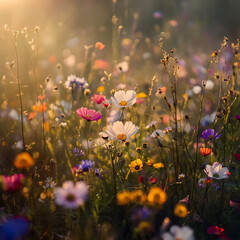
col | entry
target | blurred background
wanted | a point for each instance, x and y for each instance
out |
(66, 26)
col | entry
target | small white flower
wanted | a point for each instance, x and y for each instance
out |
(151, 124)
(121, 131)
(103, 135)
(197, 89)
(209, 84)
(123, 99)
(216, 171)
(157, 133)
(122, 66)
(70, 195)
(202, 182)
(179, 233)
(63, 124)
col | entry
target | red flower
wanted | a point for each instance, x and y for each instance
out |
(152, 180)
(215, 230)
(237, 156)
(141, 179)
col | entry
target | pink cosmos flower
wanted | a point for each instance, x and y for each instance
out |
(12, 183)
(98, 98)
(89, 114)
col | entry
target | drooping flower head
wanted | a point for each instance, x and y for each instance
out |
(89, 114)
(158, 165)
(123, 99)
(70, 195)
(98, 98)
(210, 134)
(216, 171)
(136, 165)
(121, 131)
(74, 82)
(12, 183)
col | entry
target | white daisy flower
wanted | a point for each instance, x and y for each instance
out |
(216, 171)
(151, 124)
(123, 99)
(122, 67)
(70, 195)
(180, 233)
(157, 133)
(121, 131)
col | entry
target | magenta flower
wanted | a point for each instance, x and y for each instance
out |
(98, 99)
(237, 117)
(89, 114)
(12, 183)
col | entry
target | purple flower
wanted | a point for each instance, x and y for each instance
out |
(140, 214)
(97, 172)
(237, 117)
(78, 152)
(14, 228)
(84, 166)
(210, 134)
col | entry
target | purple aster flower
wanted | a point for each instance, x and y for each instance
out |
(78, 152)
(210, 134)
(86, 165)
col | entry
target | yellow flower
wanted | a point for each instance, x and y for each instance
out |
(141, 95)
(23, 160)
(158, 165)
(180, 210)
(124, 198)
(150, 162)
(100, 89)
(136, 165)
(156, 196)
(139, 196)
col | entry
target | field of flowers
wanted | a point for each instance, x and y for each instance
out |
(124, 137)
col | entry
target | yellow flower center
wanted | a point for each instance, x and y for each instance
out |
(123, 103)
(216, 175)
(121, 137)
(88, 116)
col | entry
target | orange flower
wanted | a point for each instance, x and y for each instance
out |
(23, 160)
(205, 151)
(42, 107)
(100, 46)
(41, 97)
(32, 115)
(100, 64)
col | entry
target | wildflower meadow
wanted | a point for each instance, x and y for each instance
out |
(119, 119)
